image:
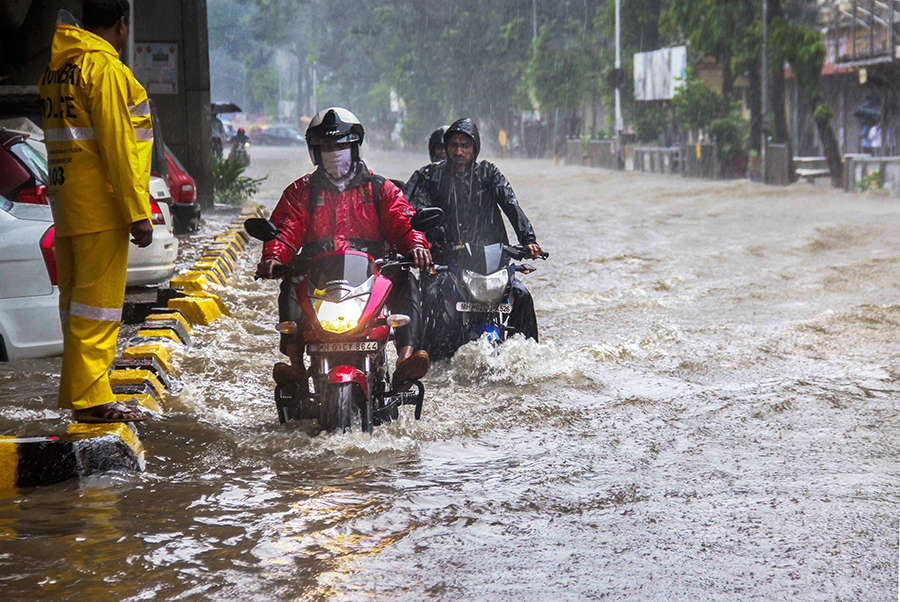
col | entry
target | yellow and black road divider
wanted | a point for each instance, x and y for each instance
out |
(141, 375)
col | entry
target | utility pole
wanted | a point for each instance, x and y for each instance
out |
(765, 101)
(533, 20)
(129, 48)
(619, 124)
(315, 101)
(620, 159)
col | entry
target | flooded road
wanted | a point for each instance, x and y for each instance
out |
(712, 413)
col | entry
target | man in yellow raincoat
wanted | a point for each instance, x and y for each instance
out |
(99, 140)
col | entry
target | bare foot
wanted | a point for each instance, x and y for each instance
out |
(109, 412)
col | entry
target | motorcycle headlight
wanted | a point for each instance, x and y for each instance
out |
(341, 316)
(486, 289)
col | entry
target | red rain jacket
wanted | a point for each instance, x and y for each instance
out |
(342, 217)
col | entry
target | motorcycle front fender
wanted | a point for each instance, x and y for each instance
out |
(349, 374)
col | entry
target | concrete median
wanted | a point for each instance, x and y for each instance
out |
(142, 374)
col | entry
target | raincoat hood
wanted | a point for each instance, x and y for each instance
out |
(465, 126)
(69, 42)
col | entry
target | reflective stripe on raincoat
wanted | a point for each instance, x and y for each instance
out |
(99, 135)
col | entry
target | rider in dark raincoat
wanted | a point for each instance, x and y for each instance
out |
(472, 194)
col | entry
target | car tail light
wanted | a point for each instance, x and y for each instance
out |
(156, 215)
(48, 250)
(188, 194)
(36, 195)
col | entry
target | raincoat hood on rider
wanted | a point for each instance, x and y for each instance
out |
(465, 126)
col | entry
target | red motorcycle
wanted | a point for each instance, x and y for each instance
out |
(346, 327)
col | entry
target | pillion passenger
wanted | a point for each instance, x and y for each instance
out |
(436, 152)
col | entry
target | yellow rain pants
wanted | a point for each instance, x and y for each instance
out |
(91, 269)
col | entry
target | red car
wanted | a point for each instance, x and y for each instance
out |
(23, 168)
(185, 208)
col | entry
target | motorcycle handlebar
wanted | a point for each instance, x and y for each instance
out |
(282, 270)
(517, 252)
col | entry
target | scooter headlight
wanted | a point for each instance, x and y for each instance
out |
(340, 316)
(486, 289)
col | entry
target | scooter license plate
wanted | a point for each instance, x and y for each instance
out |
(341, 347)
(483, 308)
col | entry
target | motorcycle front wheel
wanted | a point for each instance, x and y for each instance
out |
(342, 401)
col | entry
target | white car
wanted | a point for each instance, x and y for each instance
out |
(23, 179)
(155, 263)
(29, 298)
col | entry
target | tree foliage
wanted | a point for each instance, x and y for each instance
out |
(481, 59)
(559, 70)
(696, 104)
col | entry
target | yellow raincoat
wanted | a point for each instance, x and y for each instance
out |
(99, 141)
(98, 133)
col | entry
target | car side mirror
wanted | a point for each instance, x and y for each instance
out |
(427, 219)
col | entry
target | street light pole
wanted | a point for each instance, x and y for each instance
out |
(619, 124)
(129, 51)
(765, 99)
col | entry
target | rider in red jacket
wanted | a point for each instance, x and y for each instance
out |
(340, 206)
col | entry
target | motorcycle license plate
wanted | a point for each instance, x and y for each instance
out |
(484, 308)
(341, 347)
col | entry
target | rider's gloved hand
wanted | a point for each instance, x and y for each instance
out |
(421, 257)
(534, 250)
(265, 267)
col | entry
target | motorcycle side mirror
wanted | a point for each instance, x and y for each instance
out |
(260, 229)
(264, 230)
(426, 219)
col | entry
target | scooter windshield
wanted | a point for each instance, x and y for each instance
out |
(333, 276)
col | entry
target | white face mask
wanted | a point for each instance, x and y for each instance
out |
(337, 163)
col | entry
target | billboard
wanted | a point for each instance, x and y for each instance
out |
(658, 74)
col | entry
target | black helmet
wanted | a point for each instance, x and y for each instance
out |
(465, 126)
(436, 140)
(336, 125)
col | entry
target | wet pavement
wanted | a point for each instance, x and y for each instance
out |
(712, 413)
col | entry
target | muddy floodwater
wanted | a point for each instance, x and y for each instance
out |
(711, 413)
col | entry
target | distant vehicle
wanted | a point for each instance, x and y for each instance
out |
(281, 135)
(29, 297)
(23, 173)
(23, 167)
(240, 148)
(218, 135)
(185, 208)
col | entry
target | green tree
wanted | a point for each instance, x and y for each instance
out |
(696, 104)
(729, 30)
(803, 48)
(559, 69)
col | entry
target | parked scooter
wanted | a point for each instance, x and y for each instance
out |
(346, 327)
(471, 297)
